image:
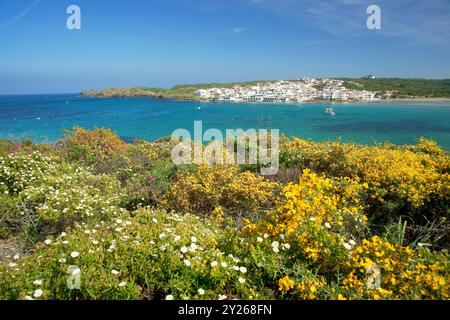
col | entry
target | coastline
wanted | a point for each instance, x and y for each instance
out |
(176, 98)
(290, 91)
(420, 99)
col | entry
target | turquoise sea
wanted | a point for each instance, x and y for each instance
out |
(41, 118)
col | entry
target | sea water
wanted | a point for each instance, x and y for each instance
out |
(42, 118)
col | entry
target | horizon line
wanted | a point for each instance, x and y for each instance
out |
(219, 82)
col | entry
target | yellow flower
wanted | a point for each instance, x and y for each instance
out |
(285, 284)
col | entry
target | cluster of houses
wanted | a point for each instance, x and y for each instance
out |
(289, 91)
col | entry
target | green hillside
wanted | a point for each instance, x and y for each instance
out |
(402, 88)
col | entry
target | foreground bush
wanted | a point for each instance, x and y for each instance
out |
(161, 255)
(340, 221)
(44, 195)
(100, 148)
(411, 182)
(215, 186)
(156, 255)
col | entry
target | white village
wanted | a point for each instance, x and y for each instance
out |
(303, 90)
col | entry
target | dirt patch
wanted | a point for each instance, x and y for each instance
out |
(9, 248)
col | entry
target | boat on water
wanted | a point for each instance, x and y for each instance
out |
(330, 111)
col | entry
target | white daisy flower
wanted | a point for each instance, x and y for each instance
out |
(347, 246)
(74, 254)
(38, 293)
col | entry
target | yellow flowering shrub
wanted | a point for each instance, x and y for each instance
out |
(213, 186)
(319, 201)
(308, 287)
(410, 180)
(399, 173)
(403, 272)
(320, 215)
(285, 284)
(429, 147)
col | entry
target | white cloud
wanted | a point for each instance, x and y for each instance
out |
(20, 15)
(417, 22)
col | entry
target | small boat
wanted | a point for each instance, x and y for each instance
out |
(330, 111)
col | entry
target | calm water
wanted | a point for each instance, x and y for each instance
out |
(42, 118)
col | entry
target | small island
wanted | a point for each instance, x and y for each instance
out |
(368, 88)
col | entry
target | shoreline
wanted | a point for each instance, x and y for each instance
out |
(421, 99)
(418, 99)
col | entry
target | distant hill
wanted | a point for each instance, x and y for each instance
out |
(401, 88)
(180, 91)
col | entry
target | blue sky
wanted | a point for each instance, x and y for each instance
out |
(165, 42)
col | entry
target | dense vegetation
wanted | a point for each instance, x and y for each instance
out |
(400, 88)
(403, 88)
(132, 225)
